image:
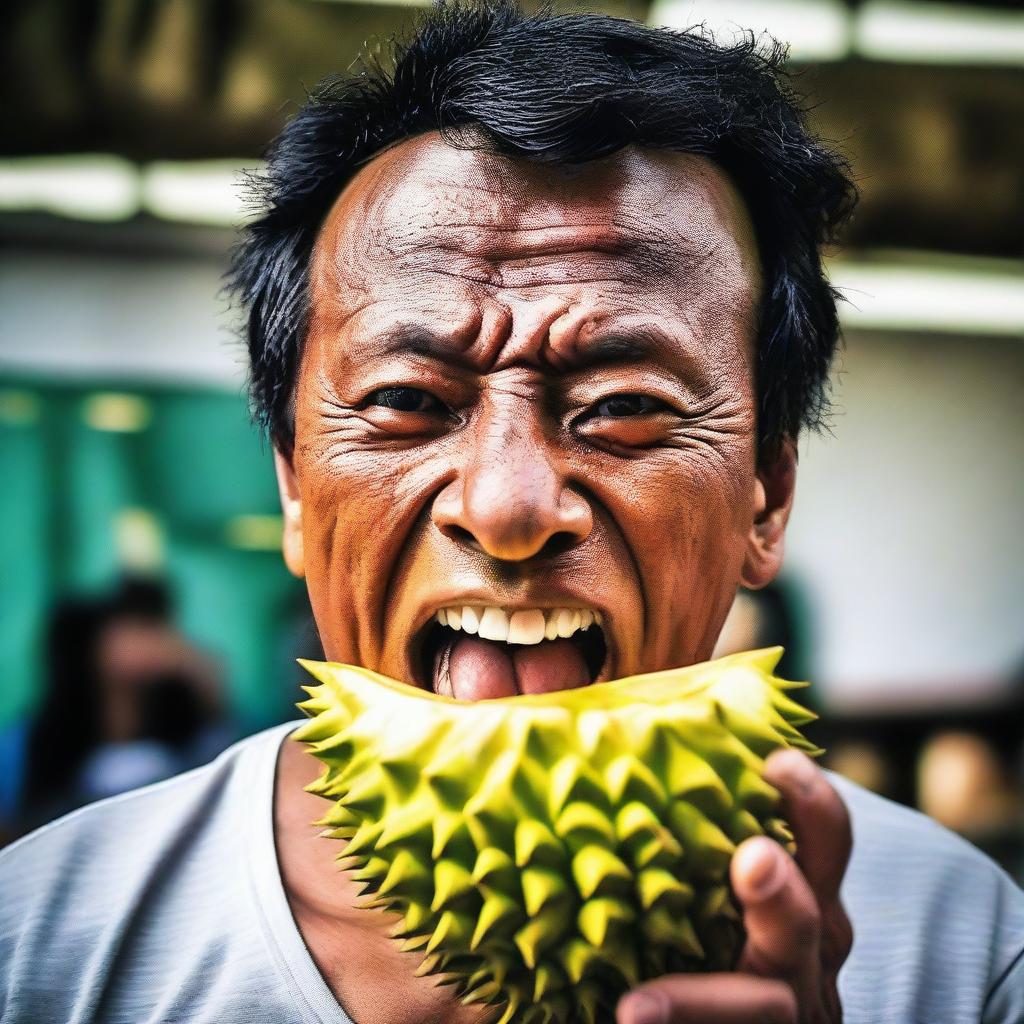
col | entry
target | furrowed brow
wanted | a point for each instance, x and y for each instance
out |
(417, 340)
(627, 347)
(634, 346)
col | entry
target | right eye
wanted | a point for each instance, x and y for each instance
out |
(627, 404)
(404, 399)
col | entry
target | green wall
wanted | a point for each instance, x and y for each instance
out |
(101, 477)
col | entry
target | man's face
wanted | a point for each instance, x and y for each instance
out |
(529, 391)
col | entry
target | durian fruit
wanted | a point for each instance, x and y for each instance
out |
(545, 853)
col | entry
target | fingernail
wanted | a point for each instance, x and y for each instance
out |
(645, 1008)
(803, 772)
(767, 876)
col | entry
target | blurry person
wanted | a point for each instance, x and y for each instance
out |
(43, 755)
(127, 701)
(536, 319)
(963, 783)
(175, 730)
(160, 696)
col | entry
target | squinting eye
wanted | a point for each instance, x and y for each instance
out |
(628, 405)
(404, 399)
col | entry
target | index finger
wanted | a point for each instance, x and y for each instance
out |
(818, 817)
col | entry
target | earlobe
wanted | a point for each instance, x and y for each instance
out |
(774, 488)
(291, 507)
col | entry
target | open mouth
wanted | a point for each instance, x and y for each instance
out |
(475, 653)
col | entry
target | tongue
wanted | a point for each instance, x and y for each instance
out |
(481, 669)
(550, 665)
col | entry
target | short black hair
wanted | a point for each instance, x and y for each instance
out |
(561, 89)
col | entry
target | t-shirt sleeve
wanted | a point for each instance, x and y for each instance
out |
(938, 927)
(1005, 1002)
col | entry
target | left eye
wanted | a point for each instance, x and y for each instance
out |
(618, 406)
(403, 399)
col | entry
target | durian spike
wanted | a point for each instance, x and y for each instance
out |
(708, 848)
(407, 875)
(492, 862)
(482, 993)
(543, 931)
(657, 885)
(599, 916)
(598, 870)
(542, 886)
(451, 880)
(497, 912)
(535, 843)
(666, 928)
(510, 1011)
(578, 957)
(455, 927)
(581, 821)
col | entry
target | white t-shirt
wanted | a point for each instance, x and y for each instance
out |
(166, 905)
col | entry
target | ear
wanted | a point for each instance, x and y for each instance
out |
(773, 501)
(291, 506)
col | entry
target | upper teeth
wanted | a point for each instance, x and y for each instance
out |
(522, 626)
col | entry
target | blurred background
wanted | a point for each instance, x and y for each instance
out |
(146, 618)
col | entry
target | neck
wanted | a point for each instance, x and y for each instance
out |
(370, 977)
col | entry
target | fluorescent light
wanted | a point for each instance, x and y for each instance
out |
(116, 413)
(397, 4)
(108, 188)
(938, 33)
(90, 187)
(200, 192)
(139, 540)
(939, 300)
(255, 532)
(815, 30)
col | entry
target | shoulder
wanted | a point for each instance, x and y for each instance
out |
(111, 835)
(100, 895)
(890, 840)
(939, 927)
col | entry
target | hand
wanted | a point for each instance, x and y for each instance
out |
(798, 935)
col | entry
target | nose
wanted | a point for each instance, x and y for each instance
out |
(511, 500)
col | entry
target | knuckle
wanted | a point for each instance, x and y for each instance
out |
(780, 1006)
(832, 1007)
(805, 927)
(837, 939)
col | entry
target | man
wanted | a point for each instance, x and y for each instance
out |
(534, 323)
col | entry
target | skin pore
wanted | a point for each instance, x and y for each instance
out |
(524, 386)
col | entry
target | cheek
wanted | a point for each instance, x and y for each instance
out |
(685, 516)
(359, 512)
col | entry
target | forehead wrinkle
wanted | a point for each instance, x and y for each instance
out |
(618, 249)
(467, 208)
(678, 220)
(485, 248)
(493, 208)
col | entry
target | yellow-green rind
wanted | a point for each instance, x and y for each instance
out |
(546, 852)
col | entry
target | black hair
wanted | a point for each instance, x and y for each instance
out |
(560, 89)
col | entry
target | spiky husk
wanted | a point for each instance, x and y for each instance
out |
(547, 852)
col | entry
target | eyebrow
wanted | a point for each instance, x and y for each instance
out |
(615, 347)
(415, 339)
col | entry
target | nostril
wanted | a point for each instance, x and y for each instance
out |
(558, 543)
(459, 534)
